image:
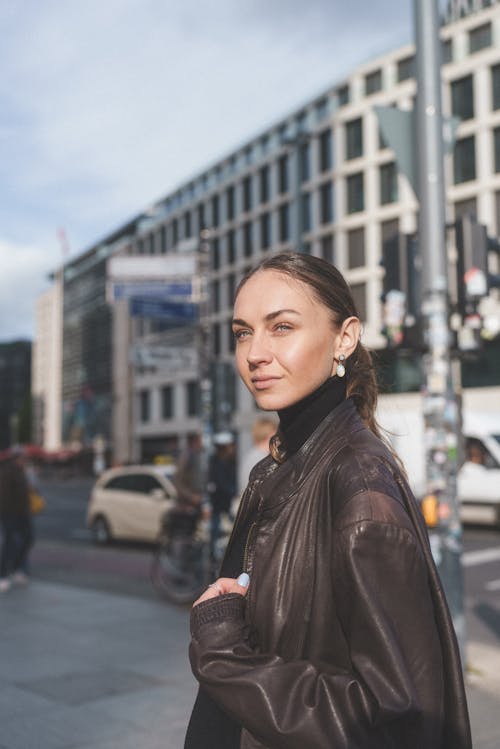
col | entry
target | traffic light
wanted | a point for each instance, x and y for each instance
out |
(472, 263)
(401, 290)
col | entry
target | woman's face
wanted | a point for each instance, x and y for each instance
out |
(286, 341)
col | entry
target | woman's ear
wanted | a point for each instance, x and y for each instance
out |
(349, 334)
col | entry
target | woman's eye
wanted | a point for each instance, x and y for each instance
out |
(240, 334)
(283, 327)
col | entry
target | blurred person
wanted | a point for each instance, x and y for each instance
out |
(262, 430)
(15, 521)
(337, 632)
(221, 484)
(475, 452)
(190, 482)
(189, 477)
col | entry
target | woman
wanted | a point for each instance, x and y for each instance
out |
(337, 634)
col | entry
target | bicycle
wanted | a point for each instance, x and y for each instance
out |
(182, 566)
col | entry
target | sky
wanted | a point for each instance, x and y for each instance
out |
(108, 105)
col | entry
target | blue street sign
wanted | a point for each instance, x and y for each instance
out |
(177, 313)
(156, 289)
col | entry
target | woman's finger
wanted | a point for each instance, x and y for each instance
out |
(225, 585)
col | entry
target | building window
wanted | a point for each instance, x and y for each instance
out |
(304, 162)
(496, 146)
(284, 222)
(321, 110)
(231, 287)
(343, 95)
(356, 248)
(462, 98)
(265, 231)
(328, 248)
(231, 247)
(389, 229)
(231, 340)
(480, 38)
(187, 224)
(216, 340)
(373, 82)
(247, 194)
(215, 254)
(247, 239)
(264, 184)
(358, 291)
(167, 402)
(355, 193)
(192, 398)
(388, 183)
(230, 203)
(466, 207)
(447, 51)
(354, 139)
(201, 217)
(163, 240)
(215, 211)
(145, 405)
(305, 208)
(326, 203)
(216, 296)
(497, 211)
(495, 87)
(175, 231)
(325, 151)
(406, 68)
(283, 174)
(464, 160)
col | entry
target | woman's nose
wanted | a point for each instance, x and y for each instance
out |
(258, 352)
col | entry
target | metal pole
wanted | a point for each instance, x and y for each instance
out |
(441, 399)
(205, 351)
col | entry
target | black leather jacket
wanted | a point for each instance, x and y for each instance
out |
(344, 639)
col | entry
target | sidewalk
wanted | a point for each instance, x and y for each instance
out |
(82, 669)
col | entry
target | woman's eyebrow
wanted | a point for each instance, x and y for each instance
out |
(270, 316)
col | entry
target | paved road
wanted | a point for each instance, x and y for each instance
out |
(65, 553)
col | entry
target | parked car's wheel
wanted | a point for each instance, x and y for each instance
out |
(101, 531)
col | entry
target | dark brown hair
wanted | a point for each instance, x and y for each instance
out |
(330, 289)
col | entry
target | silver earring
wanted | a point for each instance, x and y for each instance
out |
(340, 366)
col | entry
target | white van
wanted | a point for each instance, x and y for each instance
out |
(478, 478)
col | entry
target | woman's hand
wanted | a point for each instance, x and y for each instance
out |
(225, 585)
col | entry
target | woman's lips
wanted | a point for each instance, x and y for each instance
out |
(261, 383)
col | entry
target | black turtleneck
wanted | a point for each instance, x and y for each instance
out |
(298, 422)
(209, 725)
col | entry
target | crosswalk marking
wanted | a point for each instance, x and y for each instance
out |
(481, 556)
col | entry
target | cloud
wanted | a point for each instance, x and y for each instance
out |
(23, 276)
(108, 106)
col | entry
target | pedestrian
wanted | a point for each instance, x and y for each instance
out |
(190, 482)
(262, 430)
(337, 632)
(221, 485)
(15, 521)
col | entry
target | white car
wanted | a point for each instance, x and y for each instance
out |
(130, 503)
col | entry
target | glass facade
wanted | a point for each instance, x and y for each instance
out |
(354, 139)
(462, 98)
(388, 183)
(355, 193)
(86, 376)
(464, 160)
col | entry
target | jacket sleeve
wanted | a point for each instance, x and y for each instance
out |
(385, 610)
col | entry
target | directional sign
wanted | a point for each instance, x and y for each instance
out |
(176, 313)
(174, 290)
(148, 267)
(164, 358)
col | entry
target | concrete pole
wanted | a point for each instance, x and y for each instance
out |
(441, 395)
